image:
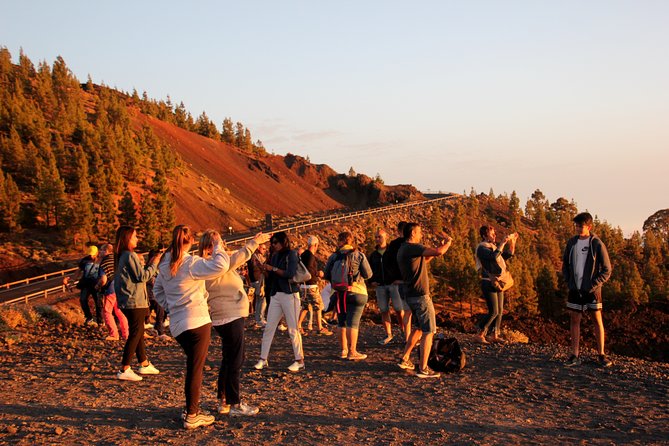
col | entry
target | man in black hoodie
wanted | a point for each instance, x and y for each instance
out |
(585, 267)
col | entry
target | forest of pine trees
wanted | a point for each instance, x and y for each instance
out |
(72, 163)
(640, 263)
(69, 157)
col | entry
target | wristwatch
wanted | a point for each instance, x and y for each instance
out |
(274, 268)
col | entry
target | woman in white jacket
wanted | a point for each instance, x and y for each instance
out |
(228, 308)
(180, 290)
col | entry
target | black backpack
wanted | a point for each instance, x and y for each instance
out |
(446, 355)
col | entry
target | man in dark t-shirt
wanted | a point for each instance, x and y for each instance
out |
(412, 260)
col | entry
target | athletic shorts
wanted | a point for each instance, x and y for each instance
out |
(387, 293)
(584, 300)
(423, 315)
(311, 296)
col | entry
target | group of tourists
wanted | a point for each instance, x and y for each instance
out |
(204, 290)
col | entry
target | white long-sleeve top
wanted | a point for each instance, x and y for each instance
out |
(227, 297)
(184, 296)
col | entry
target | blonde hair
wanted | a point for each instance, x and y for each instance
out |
(206, 241)
(181, 236)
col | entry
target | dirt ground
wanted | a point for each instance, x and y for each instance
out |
(59, 387)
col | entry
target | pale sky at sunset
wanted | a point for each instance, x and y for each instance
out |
(570, 97)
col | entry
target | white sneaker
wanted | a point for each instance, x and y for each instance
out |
(261, 364)
(148, 370)
(128, 375)
(241, 409)
(296, 366)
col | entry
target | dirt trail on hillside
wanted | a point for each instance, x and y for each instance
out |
(58, 387)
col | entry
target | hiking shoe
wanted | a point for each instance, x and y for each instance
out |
(386, 340)
(406, 364)
(128, 375)
(224, 409)
(296, 366)
(573, 361)
(604, 361)
(324, 332)
(243, 410)
(148, 370)
(261, 364)
(196, 420)
(427, 373)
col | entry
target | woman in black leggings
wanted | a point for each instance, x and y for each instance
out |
(180, 290)
(130, 287)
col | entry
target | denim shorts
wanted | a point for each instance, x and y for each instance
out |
(355, 305)
(387, 293)
(423, 315)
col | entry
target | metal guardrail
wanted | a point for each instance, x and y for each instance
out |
(36, 278)
(317, 221)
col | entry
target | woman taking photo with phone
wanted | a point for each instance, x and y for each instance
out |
(130, 286)
(490, 260)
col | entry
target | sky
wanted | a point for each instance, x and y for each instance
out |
(568, 97)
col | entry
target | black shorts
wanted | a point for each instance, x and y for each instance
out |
(584, 300)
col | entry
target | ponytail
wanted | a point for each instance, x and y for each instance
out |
(181, 237)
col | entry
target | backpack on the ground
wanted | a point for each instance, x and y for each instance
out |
(446, 355)
(341, 276)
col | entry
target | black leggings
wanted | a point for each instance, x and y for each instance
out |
(195, 343)
(135, 342)
(232, 342)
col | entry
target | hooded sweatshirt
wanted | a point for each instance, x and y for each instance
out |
(597, 268)
(184, 296)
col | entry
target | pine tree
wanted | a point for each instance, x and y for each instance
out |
(228, 133)
(50, 193)
(164, 206)
(107, 218)
(149, 228)
(127, 209)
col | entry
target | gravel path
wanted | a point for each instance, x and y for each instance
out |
(58, 387)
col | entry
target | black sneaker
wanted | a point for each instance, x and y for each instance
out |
(604, 361)
(427, 373)
(573, 361)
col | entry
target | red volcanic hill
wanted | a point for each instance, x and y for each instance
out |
(219, 185)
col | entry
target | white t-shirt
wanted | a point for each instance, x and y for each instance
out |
(581, 250)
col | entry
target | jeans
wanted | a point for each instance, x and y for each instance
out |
(260, 302)
(232, 343)
(288, 305)
(495, 301)
(110, 309)
(195, 344)
(83, 300)
(355, 305)
(135, 342)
